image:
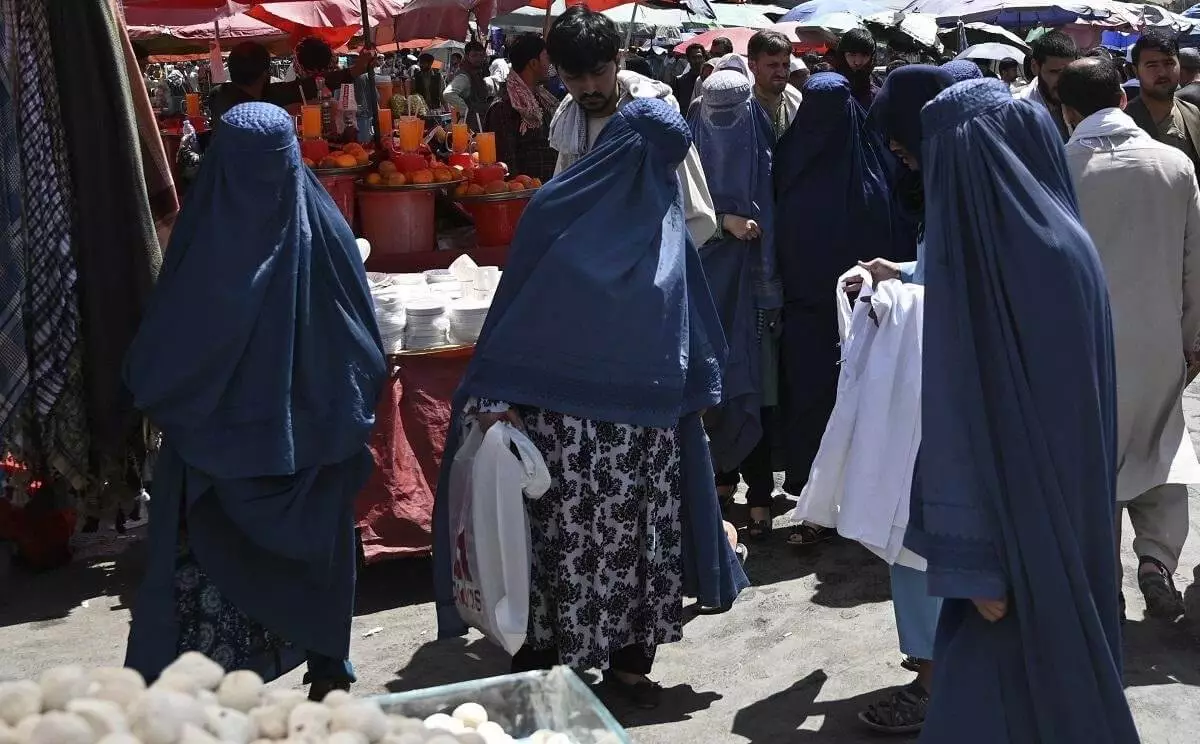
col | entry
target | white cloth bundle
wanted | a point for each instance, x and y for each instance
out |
(861, 478)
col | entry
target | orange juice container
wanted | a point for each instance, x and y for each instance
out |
(485, 145)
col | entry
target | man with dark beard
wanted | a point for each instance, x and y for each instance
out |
(471, 91)
(1168, 119)
(1049, 56)
(854, 59)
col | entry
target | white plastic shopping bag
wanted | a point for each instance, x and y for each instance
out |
(488, 485)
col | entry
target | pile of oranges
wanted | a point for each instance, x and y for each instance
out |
(389, 175)
(352, 155)
(517, 183)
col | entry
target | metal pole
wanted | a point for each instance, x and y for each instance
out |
(372, 91)
(629, 31)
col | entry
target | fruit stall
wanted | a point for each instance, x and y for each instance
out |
(438, 211)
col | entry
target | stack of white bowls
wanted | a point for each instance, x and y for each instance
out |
(427, 324)
(487, 278)
(390, 315)
(466, 320)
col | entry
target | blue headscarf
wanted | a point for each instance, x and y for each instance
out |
(260, 361)
(733, 138)
(832, 193)
(608, 328)
(1017, 493)
(963, 69)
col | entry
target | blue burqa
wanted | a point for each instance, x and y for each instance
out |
(1018, 466)
(260, 361)
(733, 137)
(609, 325)
(832, 209)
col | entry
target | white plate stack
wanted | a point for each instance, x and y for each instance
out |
(466, 320)
(389, 313)
(427, 323)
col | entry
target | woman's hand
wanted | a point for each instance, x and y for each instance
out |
(880, 270)
(740, 227)
(486, 420)
(993, 610)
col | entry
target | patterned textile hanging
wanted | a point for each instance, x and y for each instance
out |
(14, 359)
(114, 229)
(52, 432)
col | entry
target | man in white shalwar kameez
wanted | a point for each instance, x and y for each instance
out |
(1140, 203)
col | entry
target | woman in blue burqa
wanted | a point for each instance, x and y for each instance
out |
(604, 345)
(832, 210)
(260, 362)
(733, 137)
(1016, 503)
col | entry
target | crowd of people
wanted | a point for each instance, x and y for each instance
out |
(666, 328)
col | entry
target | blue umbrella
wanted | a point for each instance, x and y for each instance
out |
(805, 12)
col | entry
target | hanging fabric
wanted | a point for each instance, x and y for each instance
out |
(116, 247)
(14, 359)
(53, 432)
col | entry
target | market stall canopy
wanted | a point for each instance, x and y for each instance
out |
(914, 28)
(1158, 17)
(980, 33)
(335, 21)
(814, 9)
(649, 17)
(186, 37)
(699, 7)
(992, 51)
(1013, 13)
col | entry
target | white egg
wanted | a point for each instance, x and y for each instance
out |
(240, 690)
(19, 700)
(471, 714)
(61, 685)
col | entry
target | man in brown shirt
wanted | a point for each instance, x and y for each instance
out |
(1164, 117)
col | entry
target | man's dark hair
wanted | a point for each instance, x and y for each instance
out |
(456, 54)
(721, 46)
(1053, 44)
(473, 46)
(582, 40)
(856, 41)
(314, 54)
(1189, 59)
(639, 65)
(248, 62)
(1089, 85)
(694, 48)
(811, 60)
(894, 65)
(426, 57)
(1008, 63)
(1155, 40)
(525, 49)
(768, 42)
(140, 52)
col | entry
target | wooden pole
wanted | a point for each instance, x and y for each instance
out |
(372, 91)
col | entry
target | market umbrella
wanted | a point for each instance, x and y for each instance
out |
(739, 36)
(1013, 13)
(992, 51)
(979, 33)
(647, 16)
(807, 12)
(335, 21)
(182, 34)
(902, 29)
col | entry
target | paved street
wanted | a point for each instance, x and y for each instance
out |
(811, 644)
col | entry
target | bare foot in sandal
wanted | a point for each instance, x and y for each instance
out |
(807, 534)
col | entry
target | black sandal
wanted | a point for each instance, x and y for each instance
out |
(758, 529)
(1163, 600)
(804, 535)
(902, 713)
(643, 694)
(912, 664)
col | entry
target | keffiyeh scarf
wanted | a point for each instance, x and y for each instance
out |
(531, 103)
(568, 128)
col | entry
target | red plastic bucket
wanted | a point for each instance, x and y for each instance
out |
(341, 187)
(496, 221)
(397, 221)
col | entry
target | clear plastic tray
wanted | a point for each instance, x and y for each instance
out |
(522, 703)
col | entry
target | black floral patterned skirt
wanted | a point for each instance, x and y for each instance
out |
(606, 538)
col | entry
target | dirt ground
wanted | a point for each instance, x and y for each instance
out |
(807, 647)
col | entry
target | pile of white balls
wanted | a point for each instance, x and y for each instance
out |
(195, 702)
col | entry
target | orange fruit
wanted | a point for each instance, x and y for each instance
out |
(374, 179)
(329, 162)
(396, 179)
(461, 189)
(536, 183)
(474, 189)
(362, 158)
(496, 187)
(442, 175)
(422, 176)
(353, 148)
(524, 180)
(309, 163)
(387, 167)
(346, 161)
(516, 186)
